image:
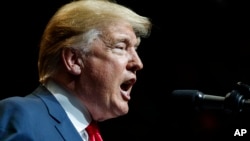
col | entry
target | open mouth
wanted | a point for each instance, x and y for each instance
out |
(126, 87)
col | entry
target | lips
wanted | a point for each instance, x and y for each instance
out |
(126, 88)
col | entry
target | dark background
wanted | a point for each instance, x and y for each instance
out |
(195, 44)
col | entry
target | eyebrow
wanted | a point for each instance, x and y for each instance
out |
(127, 39)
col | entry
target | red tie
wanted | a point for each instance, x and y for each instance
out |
(93, 132)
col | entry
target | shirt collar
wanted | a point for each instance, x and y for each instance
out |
(76, 111)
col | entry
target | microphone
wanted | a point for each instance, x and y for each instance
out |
(233, 101)
(197, 99)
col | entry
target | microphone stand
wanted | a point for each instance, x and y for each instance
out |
(236, 100)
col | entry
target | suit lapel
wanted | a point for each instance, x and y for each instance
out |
(55, 110)
(68, 132)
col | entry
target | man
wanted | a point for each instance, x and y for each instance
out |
(87, 67)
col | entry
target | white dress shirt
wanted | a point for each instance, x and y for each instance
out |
(76, 112)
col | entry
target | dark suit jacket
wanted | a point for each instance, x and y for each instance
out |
(36, 117)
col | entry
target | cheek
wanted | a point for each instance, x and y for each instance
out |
(109, 75)
(111, 71)
(113, 67)
(104, 73)
(106, 69)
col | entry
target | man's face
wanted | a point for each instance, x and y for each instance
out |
(109, 72)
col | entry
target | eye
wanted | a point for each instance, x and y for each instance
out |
(120, 48)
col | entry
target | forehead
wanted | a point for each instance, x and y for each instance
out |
(119, 31)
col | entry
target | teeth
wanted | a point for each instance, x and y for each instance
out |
(125, 95)
(125, 88)
(127, 82)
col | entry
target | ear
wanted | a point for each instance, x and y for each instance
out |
(71, 61)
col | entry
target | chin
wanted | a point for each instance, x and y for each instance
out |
(124, 111)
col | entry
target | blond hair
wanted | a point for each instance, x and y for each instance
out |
(78, 22)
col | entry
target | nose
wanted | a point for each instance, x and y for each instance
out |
(135, 62)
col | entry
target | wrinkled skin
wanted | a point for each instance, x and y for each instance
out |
(106, 76)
